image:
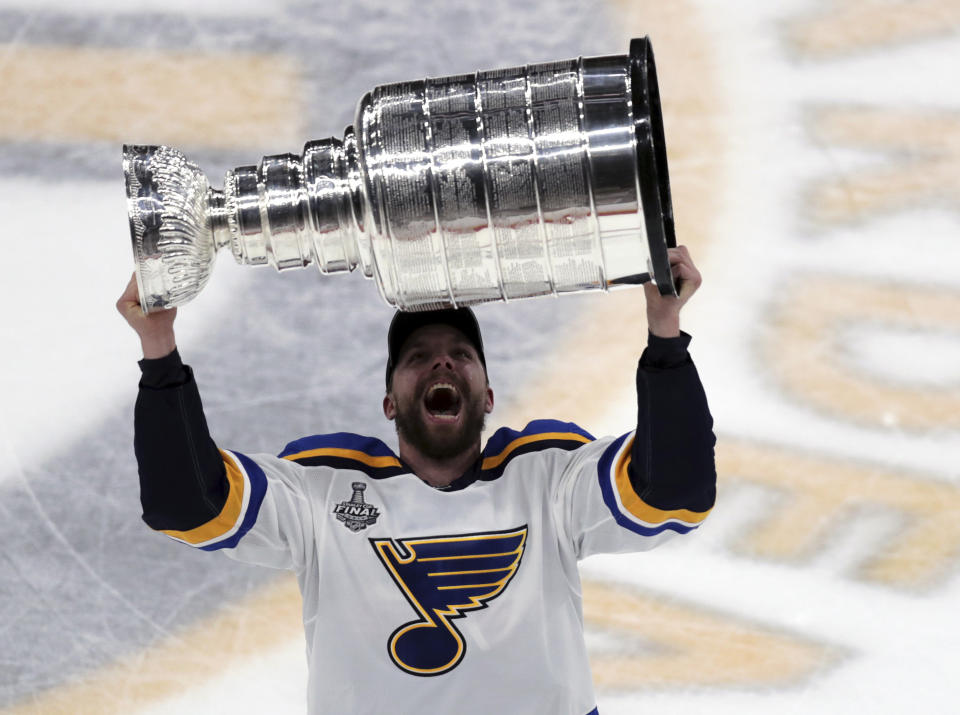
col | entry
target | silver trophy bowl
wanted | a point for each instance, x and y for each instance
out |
(504, 184)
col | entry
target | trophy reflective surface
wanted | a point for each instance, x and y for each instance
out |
(512, 183)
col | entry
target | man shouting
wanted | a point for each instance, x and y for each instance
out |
(442, 578)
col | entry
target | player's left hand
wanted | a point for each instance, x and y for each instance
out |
(663, 311)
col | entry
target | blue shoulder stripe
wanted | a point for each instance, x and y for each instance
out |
(345, 450)
(500, 439)
(339, 440)
(505, 443)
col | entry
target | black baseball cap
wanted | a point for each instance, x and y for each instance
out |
(405, 323)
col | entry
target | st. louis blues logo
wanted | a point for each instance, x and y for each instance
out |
(443, 576)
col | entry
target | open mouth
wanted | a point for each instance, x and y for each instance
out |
(442, 401)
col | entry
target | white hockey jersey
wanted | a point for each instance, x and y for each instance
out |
(417, 599)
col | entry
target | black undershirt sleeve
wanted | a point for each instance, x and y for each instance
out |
(183, 481)
(672, 463)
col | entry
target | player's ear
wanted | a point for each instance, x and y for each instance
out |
(389, 407)
(488, 407)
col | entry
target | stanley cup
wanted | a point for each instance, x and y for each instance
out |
(512, 183)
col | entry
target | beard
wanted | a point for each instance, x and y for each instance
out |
(442, 441)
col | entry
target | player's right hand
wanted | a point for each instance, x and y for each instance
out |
(155, 330)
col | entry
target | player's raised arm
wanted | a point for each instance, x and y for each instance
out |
(660, 479)
(672, 463)
(183, 480)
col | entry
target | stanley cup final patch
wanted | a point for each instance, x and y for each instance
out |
(356, 514)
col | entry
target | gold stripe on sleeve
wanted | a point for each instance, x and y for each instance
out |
(228, 516)
(640, 509)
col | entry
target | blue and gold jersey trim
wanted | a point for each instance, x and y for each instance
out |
(506, 444)
(247, 486)
(345, 450)
(627, 507)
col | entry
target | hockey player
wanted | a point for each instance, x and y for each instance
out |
(443, 578)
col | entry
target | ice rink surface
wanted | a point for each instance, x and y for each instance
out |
(815, 158)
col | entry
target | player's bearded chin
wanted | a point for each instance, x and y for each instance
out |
(440, 441)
